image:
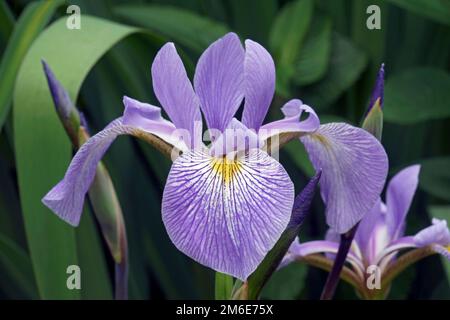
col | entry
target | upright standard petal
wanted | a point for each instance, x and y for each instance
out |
(219, 79)
(259, 84)
(227, 214)
(174, 90)
(399, 195)
(67, 197)
(354, 168)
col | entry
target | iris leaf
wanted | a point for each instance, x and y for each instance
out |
(438, 10)
(182, 26)
(31, 22)
(289, 30)
(6, 21)
(16, 270)
(223, 287)
(314, 57)
(42, 148)
(417, 94)
(435, 177)
(346, 65)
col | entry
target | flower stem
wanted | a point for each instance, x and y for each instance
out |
(121, 267)
(333, 277)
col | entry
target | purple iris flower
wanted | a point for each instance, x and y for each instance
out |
(380, 235)
(228, 212)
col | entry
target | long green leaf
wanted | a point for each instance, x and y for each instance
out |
(27, 28)
(314, 57)
(223, 287)
(6, 21)
(417, 94)
(185, 27)
(16, 270)
(289, 30)
(438, 10)
(42, 147)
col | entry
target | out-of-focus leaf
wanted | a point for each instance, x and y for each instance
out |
(253, 18)
(314, 56)
(346, 65)
(435, 177)
(417, 94)
(442, 212)
(6, 21)
(184, 27)
(289, 31)
(16, 270)
(223, 286)
(42, 148)
(438, 10)
(287, 283)
(27, 28)
(95, 278)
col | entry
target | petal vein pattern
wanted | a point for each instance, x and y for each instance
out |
(227, 214)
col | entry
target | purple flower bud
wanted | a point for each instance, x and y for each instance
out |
(378, 90)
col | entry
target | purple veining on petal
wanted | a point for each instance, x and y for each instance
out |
(174, 90)
(354, 168)
(219, 79)
(227, 214)
(259, 84)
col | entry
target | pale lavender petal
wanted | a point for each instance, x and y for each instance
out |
(227, 214)
(219, 79)
(291, 254)
(292, 111)
(399, 195)
(148, 118)
(236, 137)
(259, 84)
(67, 197)
(174, 90)
(372, 235)
(437, 233)
(354, 168)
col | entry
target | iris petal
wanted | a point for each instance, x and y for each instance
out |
(291, 125)
(174, 90)
(227, 214)
(67, 197)
(399, 195)
(259, 83)
(354, 168)
(219, 79)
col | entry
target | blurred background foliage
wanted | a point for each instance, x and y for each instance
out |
(324, 54)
